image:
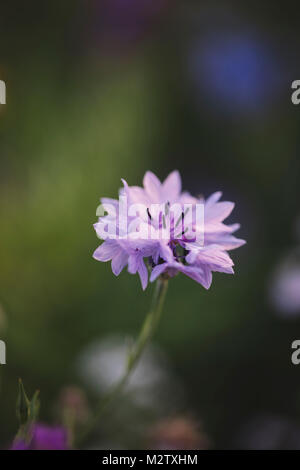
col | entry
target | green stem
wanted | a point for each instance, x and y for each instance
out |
(149, 325)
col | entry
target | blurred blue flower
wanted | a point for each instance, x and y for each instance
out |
(236, 72)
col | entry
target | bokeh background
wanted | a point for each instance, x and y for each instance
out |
(101, 90)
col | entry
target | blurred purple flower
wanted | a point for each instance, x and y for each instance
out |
(173, 250)
(237, 72)
(126, 20)
(43, 438)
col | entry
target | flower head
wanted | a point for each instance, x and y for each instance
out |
(168, 229)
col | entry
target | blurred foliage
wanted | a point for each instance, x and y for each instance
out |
(81, 113)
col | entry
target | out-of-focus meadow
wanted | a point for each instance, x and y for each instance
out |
(97, 91)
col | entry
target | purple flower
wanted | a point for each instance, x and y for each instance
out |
(43, 437)
(170, 229)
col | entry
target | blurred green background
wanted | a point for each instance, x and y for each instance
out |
(99, 91)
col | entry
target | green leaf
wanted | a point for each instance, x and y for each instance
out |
(22, 407)
(34, 406)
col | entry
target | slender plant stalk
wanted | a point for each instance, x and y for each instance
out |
(147, 330)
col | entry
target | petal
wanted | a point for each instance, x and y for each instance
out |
(213, 198)
(214, 255)
(234, 227)
(187, 198)
(226, 241)
(106, 251)
(207, 278)
(219, 269)
(108, 200)
(158, 270)
(143, 273)
(135, 194)
(171, 187)
(119, 262)
(218, 212)
(106, 228)
(214, 227)
(153, 187)
(202, 276)
(166, 253)
(133, 263)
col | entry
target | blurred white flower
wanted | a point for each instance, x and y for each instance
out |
(284, 290)
(269, 432)
(103, 363)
